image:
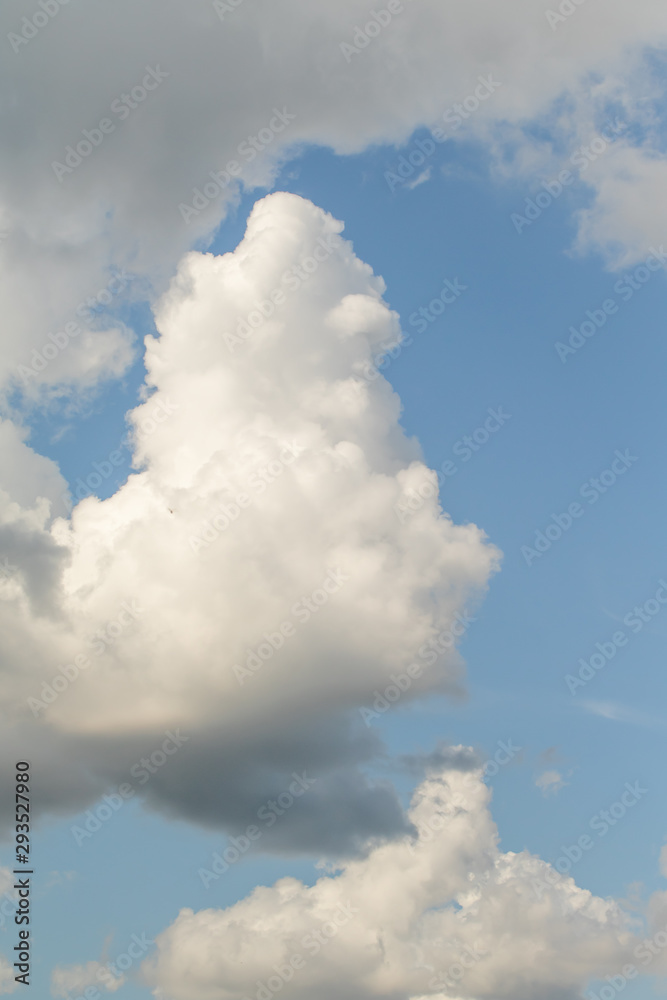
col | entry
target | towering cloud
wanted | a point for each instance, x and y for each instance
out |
(260, 579)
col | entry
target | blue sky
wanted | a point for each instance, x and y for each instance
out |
(493, 348)
(569, 585)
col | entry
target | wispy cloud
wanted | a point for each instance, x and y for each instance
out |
(424, 176)
(621, 713)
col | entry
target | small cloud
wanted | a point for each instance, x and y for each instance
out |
(621, 713)
(7, 982)
(551, 782)
(607, 710)
(67, 979)
(424, 176)
(6, 880)
(59, 878)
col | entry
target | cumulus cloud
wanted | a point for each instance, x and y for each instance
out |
(442, 913)
(31, 561)
(165, 80)
(252, 583)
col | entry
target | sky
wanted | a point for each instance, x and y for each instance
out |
(332, 581)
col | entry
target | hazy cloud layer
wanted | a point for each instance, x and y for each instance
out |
(159, 97)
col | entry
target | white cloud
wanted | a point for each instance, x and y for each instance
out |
(220, 420)
(550, 782)
(278, 410)
(67, 980)
(26, 476)
(447, 914)
(627, 216)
